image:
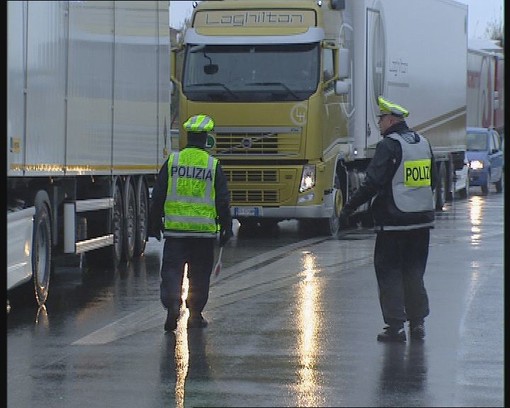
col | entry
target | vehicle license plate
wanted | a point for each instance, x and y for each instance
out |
(247, 211)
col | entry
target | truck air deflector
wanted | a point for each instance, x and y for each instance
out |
(313, 34)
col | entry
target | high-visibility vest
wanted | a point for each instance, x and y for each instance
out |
(190, 202)
(411, 184)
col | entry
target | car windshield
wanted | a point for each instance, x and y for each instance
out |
(476, 141)
(249, 73)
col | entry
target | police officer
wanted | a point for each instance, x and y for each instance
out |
(191, 194)
(400, 178)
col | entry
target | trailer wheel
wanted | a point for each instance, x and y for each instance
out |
(441, 188)
(110, 257)
(142, 205)
(41, 251)
(130, 221)
(117, 224)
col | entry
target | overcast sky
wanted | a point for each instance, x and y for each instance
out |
(480, 13)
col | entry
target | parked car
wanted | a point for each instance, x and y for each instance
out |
(485, 157)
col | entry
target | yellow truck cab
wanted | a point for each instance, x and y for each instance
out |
(292, 86)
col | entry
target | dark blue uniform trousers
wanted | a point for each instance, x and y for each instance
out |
(198, 253)
(400, 258)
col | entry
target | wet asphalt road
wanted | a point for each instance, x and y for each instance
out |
(292, 322)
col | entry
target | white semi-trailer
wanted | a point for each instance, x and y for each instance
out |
(486, 89)
(87, 130)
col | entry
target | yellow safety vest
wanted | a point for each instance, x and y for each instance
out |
(190, 208)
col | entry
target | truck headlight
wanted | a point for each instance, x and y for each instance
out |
(476, 164)
(307, 178)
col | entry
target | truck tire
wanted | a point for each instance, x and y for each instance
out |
(440, 190)
(334, 220)
(117, 226)
(130, 221)
(142, 218)
(41, 249)
(110, 257)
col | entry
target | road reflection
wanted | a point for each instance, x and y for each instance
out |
(308, 388)
(475, 215)
(403, 373)
(181, 358)
(184, 356)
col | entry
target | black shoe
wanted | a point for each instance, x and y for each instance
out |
(171, 320)
(417, 331)
(392, 334)
(197, 321)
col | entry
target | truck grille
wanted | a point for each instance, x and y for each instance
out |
(253, 197)
(254, 176)
(258, 141)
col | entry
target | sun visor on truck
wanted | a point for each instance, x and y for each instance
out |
(310, 35)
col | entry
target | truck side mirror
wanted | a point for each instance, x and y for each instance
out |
(343, 63)
(342, 87)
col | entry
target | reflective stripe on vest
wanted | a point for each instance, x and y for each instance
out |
(190, 202)
(412, 180)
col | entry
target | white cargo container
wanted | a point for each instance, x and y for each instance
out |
(413, 53)
(486, 89)
(87, 130)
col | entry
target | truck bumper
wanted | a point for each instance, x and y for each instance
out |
(282, 213)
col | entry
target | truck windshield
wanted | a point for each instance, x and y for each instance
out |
(251, 73)
(476, 141)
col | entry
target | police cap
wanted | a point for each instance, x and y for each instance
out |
(199, 123)
(389, 108)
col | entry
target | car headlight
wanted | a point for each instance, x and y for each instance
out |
(307, 178)
(476, 164)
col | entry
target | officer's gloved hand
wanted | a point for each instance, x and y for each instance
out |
(344, 216)
(225, 235)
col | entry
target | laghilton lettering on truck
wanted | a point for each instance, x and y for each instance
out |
(255, 18)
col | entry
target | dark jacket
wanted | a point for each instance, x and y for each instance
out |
(159, 193)
(378, 183)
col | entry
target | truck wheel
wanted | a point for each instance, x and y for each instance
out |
(440, 191)
(142, 206)
(130, 221)
(334, 220)
(117, 225)
(41, 251)
(110, 257)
